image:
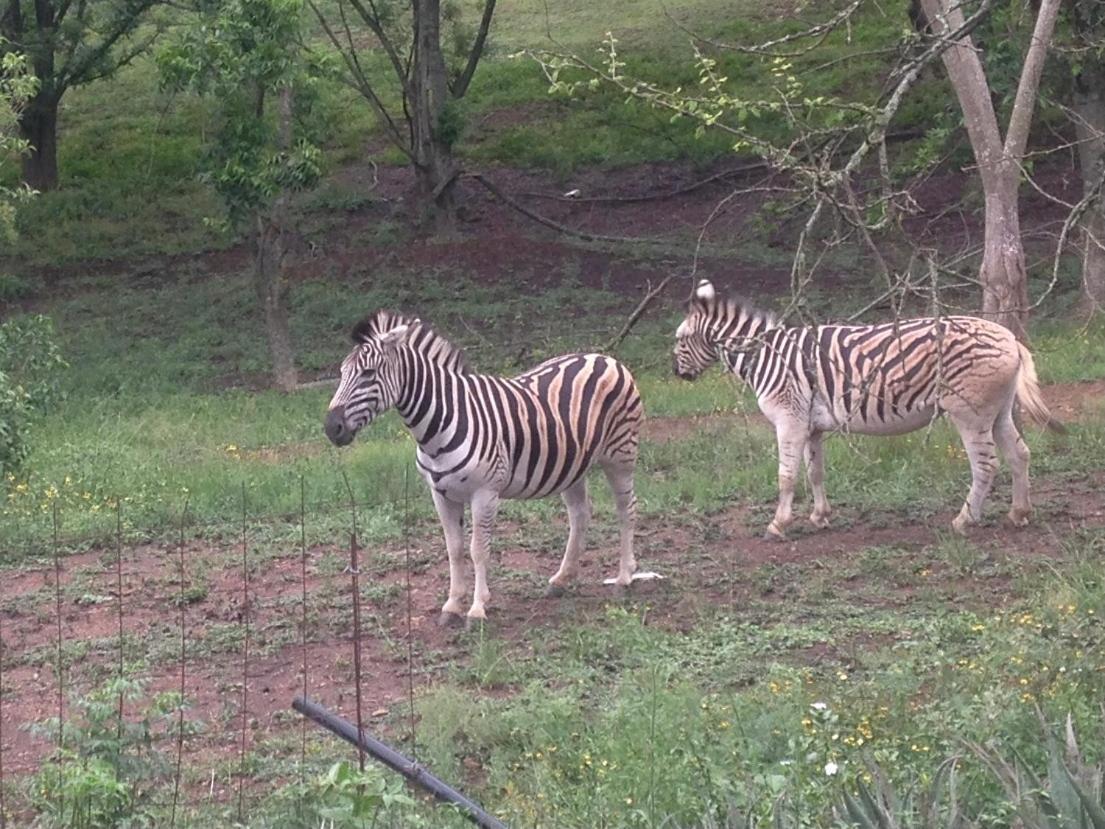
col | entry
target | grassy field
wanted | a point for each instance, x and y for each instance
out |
(884, 649)
(881, 673)
(130, 152)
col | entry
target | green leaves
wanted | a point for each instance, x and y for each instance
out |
(355, 798)
(30, 364)
(244, 54)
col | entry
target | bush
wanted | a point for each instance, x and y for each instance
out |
(30, 363)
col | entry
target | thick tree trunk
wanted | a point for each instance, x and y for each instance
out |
(38, 125)
(271, 285)
(1089, 107)
(1003, 273)
(435, 168)
(269, 275)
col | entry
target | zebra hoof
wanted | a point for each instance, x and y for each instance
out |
(771, 535)
(475, 624)
(820, 521)
(1019, 517)
(555, 591)
(448, 620)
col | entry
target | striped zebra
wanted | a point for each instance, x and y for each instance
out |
(483, 438)
(883, 379)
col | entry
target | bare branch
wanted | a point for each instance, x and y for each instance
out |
(639, 311)
(537, 217)
(359, 81)
(820, 31)
(1016, 138)
(460, 86)
(374, 22)
(646, 197)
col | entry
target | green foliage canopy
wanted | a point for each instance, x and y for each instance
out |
(30, 364)
(241, 53)
(17, 86)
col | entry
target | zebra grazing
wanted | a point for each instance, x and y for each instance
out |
(873, 380)
(482, 438)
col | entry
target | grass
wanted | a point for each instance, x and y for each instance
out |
(721, 699)
(130, 152)
(147, 418)
(635, 713)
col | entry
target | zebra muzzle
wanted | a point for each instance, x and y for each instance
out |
(335, 428)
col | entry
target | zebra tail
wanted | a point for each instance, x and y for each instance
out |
(1028, 394)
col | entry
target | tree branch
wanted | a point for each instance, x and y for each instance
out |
(359, 81)
(638, 312)
(569, 231)
(460, 86)
(818, 30)
(374, 23)
(80, 70)
(1016, 138)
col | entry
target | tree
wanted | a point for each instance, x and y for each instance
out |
(830, 138)
(246, 56)
(824, 144)
(1087, 50)
(30, 365)
(17, 87)
(68, 45)
(1003, 272)
(431, 80)
(29, 357)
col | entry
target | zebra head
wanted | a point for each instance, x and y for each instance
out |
(694, 347)
(370, 382)
(717, 328)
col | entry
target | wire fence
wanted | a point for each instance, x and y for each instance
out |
(104, 609)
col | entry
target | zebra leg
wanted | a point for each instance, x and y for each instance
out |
(1016, 455)
(815, 472)
(792, 445)
(620, 477)
(579, 517)
(451, 514)
(979, 444)
(485, 505)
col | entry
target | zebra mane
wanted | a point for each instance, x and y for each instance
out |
(731, 307)
(427, 340)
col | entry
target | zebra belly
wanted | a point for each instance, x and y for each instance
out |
(892, 422)
(456, 480)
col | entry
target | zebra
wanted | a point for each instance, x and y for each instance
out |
(883, 379)
(483, 438)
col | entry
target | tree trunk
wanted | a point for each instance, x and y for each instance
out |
(435, 168)
(38, 125)
(1003, 273)
(269, 274)
(1089, 107)
(270, 283)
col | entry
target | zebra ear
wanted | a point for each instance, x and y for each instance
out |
(391, 340)
(705, 291)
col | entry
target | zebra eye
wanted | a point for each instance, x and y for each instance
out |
(368, 373)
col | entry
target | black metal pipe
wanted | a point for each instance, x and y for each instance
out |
(396, 762)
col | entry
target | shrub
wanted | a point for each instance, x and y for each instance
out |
(30, 363)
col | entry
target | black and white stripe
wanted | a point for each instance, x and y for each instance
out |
(482, 438)
(881, 379)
